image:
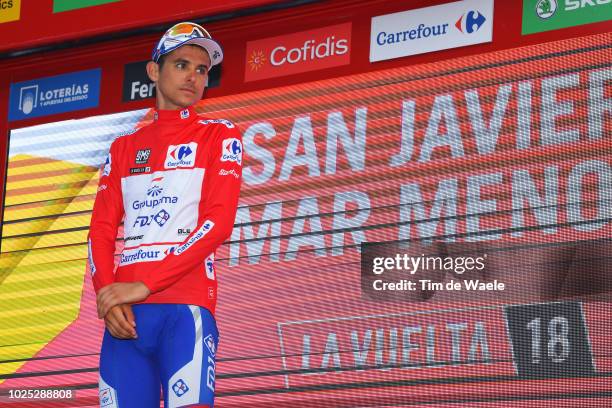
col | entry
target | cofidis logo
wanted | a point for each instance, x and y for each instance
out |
(299, 52)
(430, 29)
(58, 94)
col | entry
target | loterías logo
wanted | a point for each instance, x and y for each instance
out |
(298, 52)
(470, 22)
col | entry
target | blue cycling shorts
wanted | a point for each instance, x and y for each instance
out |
(175, 348)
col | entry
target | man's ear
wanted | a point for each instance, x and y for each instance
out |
(153, 71)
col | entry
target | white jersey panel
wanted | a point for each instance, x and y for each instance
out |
(161, 207)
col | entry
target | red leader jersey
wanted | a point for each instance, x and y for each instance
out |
(176, 183)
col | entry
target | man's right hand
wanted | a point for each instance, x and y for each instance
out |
(120, 322)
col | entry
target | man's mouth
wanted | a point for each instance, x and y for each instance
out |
(190, 90)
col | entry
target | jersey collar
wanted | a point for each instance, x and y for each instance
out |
(169, 116)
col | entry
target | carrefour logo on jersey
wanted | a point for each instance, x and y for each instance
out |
(232, 151)
(204, 229)
(298, 52)
(182, 155)
(57, 94)
(139, 255)
(430, 29)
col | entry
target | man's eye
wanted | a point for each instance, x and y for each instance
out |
(180, 65)
(202, 71)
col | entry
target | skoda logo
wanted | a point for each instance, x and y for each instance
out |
(546, 8)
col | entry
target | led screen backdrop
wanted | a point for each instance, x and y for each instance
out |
(507, 153)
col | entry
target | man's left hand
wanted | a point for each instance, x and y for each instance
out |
(120, 293)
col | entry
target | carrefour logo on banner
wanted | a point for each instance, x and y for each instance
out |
(182, 155)
(58, 94)
(430, 29)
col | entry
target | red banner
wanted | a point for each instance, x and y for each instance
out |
(36, 24)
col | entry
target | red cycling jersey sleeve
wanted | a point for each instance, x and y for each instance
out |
(105, 221)
(220, 194)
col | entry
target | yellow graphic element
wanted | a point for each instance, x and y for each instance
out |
(10, 10)
(257, 60)
(44, 251)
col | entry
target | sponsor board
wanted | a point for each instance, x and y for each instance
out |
(66, 5)
(138, 86)
(57, 94)
(428, 29)
(10, 10)
(295, 53)
(546, 15)
(436, 344)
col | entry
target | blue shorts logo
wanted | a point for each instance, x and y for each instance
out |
(210, 344)
(180, 388)
(106, 398)
(57, 94)
(470, 22)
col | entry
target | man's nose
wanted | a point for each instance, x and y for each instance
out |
(191, 75)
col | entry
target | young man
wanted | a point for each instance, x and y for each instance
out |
(175, 182)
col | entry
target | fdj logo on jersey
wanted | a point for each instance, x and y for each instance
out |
(470, 22)
(232, 151)
(160, 218)
(182, 155)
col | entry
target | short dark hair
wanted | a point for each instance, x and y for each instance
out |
(161, 60)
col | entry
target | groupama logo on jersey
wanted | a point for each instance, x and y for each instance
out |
(232, 151)
(155, 189)
(470, 22)
(182, 155)
(155, 192)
